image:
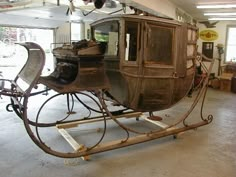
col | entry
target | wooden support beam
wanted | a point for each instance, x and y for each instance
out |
(129, 115)
(74, 144)
(158, 123)
(97, 119)
(161, 125)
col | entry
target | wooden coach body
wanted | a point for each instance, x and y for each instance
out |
(150, 61)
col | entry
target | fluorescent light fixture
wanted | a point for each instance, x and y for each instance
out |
(219, 19)
(219, 6)
(220, 14)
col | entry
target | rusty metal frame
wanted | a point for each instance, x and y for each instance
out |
(73, 91)
(81, 150)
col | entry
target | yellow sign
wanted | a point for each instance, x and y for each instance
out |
(208, 35)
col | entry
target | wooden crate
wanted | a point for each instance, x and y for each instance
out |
(215, 83)
(225, 85)
(233, 85)
(225, 81)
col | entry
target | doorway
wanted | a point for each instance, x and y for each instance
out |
(207, 49)
(14, 56)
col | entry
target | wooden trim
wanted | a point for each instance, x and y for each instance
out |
(190, 57)
(192, 42)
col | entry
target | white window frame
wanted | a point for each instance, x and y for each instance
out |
(229, 57)
(75, 30)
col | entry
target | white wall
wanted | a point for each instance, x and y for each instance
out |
(87, 30)
(161, 6)
(62, 33)
(221, 29)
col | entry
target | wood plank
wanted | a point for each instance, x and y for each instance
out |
(100, 118)
(190, 57)
(129, 115)
(158, 123)
(74, 144)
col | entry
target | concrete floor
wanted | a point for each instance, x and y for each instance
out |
(209, 151)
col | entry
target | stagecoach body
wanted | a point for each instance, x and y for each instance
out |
(150, 61)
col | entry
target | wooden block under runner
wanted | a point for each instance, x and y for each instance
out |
(75, 145)
(158, 123)
(76, 123)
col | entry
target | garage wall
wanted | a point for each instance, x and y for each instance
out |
(62, 33)
(87, 30)
(164, 7)
(221, 29)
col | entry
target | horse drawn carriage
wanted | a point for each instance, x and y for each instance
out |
(132, 66)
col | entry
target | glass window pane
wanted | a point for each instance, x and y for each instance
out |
(13, 57)
(231, 45)
(108, 34)
(75, 32)
(232, 36)
(131, 31)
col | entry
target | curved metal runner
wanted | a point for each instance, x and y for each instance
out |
(103, 113)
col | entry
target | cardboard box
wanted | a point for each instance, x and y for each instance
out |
(225, 81)
(225, 85)
(227, 76)
(215, 83)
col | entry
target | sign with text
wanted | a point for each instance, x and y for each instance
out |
(208, 35)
